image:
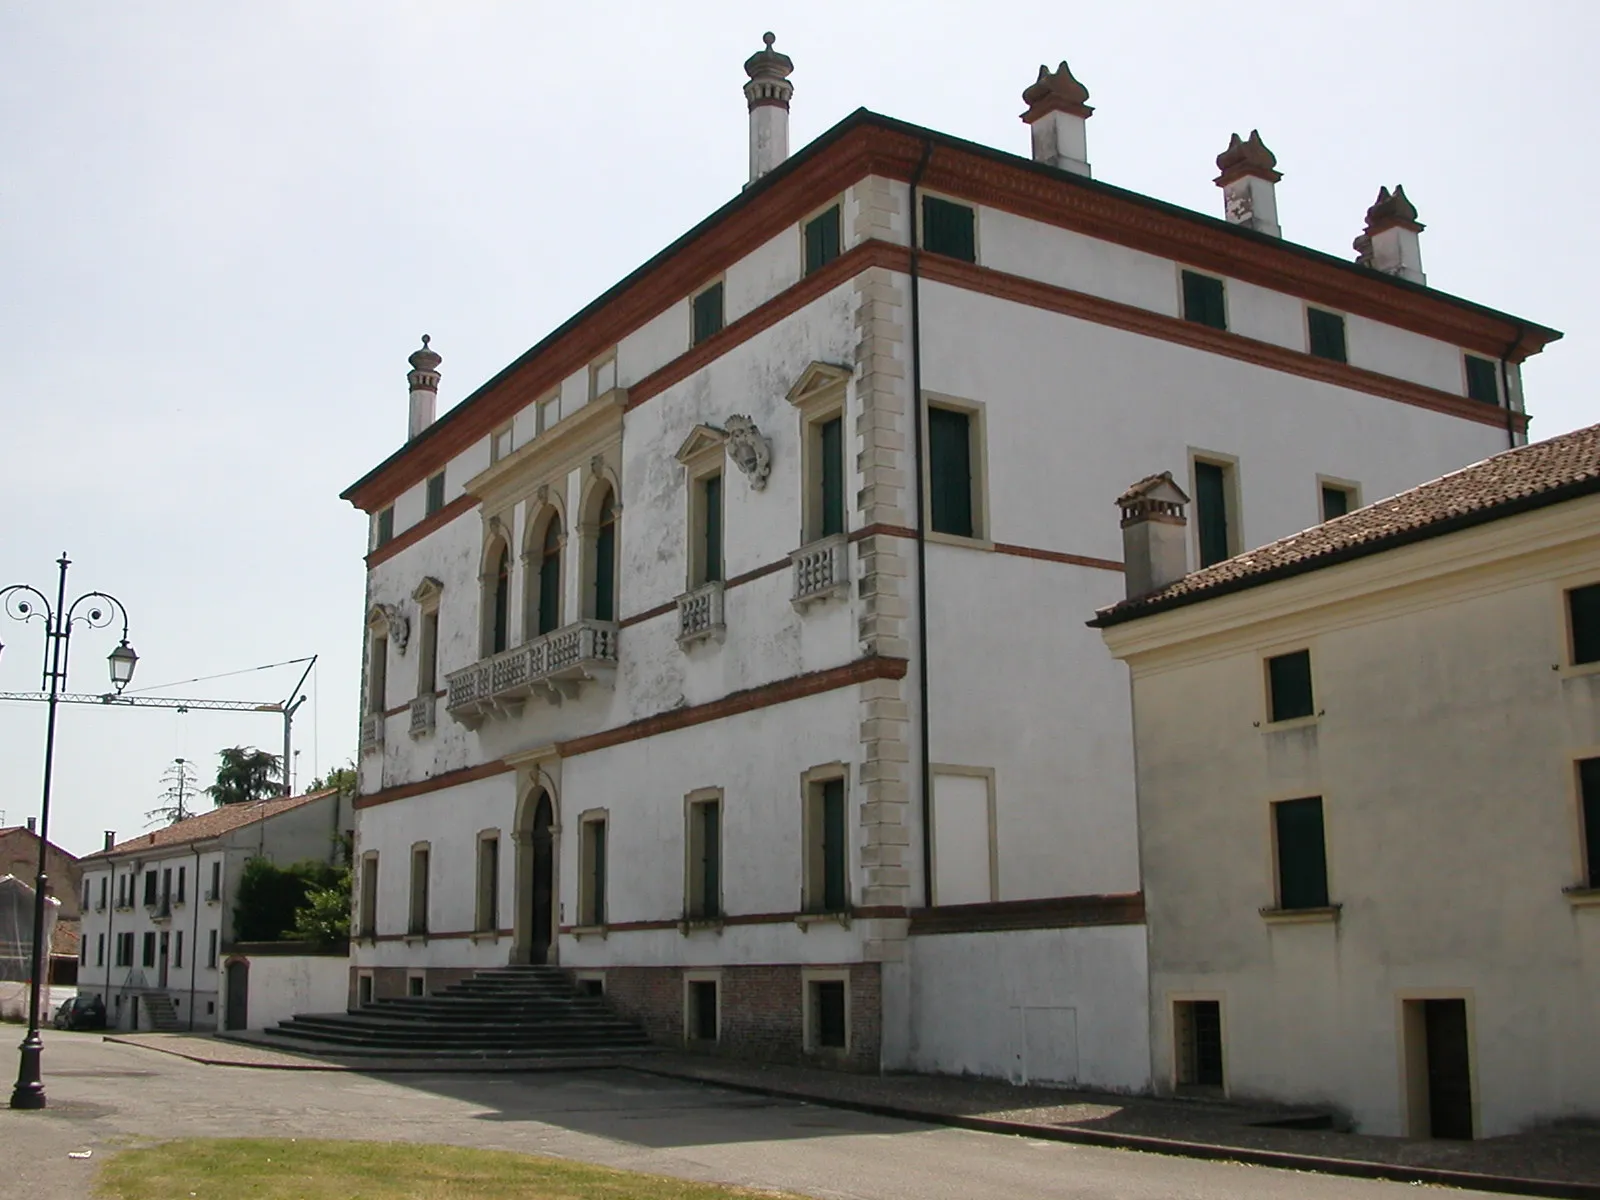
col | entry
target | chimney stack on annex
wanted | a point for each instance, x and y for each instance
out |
(1390, 243)
(111, 838)
(424, 380)
(33, 825)
(1058, 116)
(1249, 184)
(1155, 541)
(768, 94)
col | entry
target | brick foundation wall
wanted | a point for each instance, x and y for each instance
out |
(762, 1013)
(390, 983)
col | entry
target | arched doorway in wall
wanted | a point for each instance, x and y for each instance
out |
(534, 921)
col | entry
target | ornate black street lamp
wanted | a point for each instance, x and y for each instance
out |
(25, 603)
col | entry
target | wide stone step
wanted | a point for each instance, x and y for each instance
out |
(359, 1037)
(575, 1026)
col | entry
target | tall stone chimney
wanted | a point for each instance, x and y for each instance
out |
(1155, 542)
(1390, 243)
(1249, 184)
(33, 824)
(111, 838)
(1057, 117)
(768, 93)
(424, 380)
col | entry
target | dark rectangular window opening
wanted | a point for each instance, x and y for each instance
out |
(1203, 300)
(595, 989)
(149, 957)
(950, 471)
(414, 985)
(435, 493)
(1302, 853)
(364, 991)
(827, 1003)
(705, 834)
(1198, 1037)
(703, 1010)
(711, 529)
(594, 856)
(1589, 784)
(1335, 501)
(1289, 682)
(835, 848)
(150, 888)
(1583, 615)
(822, 239)
(1211, 511)
(949, 228)
(386, 526)
(1327, 334)
(707, 312)
(1482, 384)
(830, 436)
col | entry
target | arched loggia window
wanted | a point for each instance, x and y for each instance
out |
(605, 560)
(500, 601)
(550, 577)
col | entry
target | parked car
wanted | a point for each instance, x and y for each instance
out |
(81, 1012)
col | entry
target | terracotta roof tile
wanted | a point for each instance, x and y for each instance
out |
(215, 823)
(1528, 477)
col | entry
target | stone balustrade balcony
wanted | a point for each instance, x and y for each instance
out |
(821, 570)
(700, 614)
(554, 667)
(423, 708)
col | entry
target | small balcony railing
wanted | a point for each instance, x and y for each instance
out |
(554, 666)
(423, 708)
(372, 732)
(821, 570)
(700, 614)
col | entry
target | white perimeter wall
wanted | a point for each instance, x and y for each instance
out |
(282, 986)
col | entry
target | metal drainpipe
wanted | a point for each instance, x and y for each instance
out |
(922, 539)
(194, 934)
(1505, 387)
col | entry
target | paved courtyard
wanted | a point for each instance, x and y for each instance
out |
(105, 1095)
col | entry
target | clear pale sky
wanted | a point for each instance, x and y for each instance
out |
(224, 226)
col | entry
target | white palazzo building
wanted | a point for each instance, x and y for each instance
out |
(726, 647)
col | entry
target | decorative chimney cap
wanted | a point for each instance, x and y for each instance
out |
(1155, 497)
(425, 359)
(1247, 156)
(768, 64)
(1055, 91)
(1392, 209)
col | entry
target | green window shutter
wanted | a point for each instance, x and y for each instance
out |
(1203, 301)
(1589, 779)
(949, 229)
(1211, 511)
(1583, 611)
(834, 847)
(822, 240)
(386, 526)
(1302, 855)
(711, 858)
(832, 453)
(1327, 334)
(605, 572)
(1289, 679)
(1481, 382)
(1335, 502)
(712, 533)
(500, 627)
(950, 471)
(435, 493)
(550, 591)
(707, 313)
(597, 830)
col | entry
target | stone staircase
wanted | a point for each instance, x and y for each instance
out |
(507, 1012)
(163, 1016)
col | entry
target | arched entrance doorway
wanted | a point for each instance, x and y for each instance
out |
(536, 871)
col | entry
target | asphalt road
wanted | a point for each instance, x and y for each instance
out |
(104, 1095)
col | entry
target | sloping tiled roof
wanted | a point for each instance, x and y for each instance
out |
(1515, 481)
(11, 830)
(211, 824)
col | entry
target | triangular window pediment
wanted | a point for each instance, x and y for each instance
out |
(817, 379)
(701, 440)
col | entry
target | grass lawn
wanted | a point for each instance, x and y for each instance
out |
(301, 1169)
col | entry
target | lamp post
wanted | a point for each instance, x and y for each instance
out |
(25, 603)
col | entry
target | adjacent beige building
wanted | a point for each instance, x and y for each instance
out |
(1368, 763)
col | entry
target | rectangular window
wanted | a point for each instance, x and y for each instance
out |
(102, 903)
(1336, 501)
(707, 312)
(1211, 512)
(86, 893)
(435, 493)
(828, 848)
(949, 228)
(419, 890)
(216, 881)
(369, 896)
(149, 957)
(1327, 334)
(386, 526)
(500, 444)
(548, 413)
(211, 949)
(592, 846)
(602, 376)
(705, 859)
(1197, 1038)
(378, 676)
(1289, 686)
(428, 654)
(830, 475)
(950, 471)
(177, 950)
(166, 887)
(830, 1028)
(150, 889)
(1589, 785)
(1203, 300)
(710, 529)
(1302, 853)
(1482, 381)
(822, 239)
(488, 885)
(83, 952)
(100, 950)
(702, 1022)
(1583, 615)
(183, 878)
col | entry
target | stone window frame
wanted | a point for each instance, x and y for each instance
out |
(375, 678)
(1306, 309)
(591, 920)
(1349, 487)
(1499, 400)
(502, 442)
(703, 455)
(367, 898)
(812, 883)
(837, 201)
(543, 407)
(1274, 913)
(486, 892)
(987, 774)
(1182, 269)
(809, 1016)
(1264, 657)
(1585, 893)
(429, 595)
(691, 802)
(820, 394)
(497, 532)
(692, 976)
(434, 497)
(715, 282)
(602, 479)
(926, 193)
(1566, 666)
(419, 899)
(977, 412)
(598, 374)
(1175, 1082)
(545, 506)
(383, 526)
(1232, 491)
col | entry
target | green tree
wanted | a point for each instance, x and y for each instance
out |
(324, 917)
(270, 897)
(245, 776)
(177, 799)
(343, 778)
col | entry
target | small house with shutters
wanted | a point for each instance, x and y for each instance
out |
(719, 649)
